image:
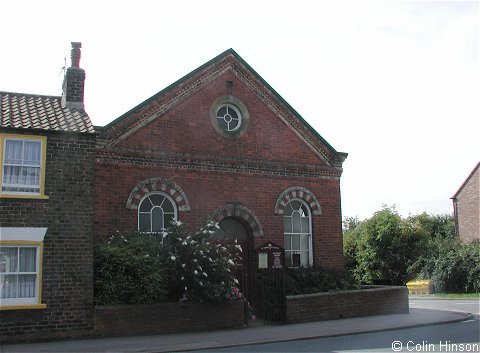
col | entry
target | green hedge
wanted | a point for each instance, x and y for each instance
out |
(129, 269)
(307, 280)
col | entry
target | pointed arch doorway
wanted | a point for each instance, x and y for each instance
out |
(236, 229)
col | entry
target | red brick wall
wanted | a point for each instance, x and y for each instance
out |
(128, 320)
(468, 208)
(374, 300)
(209, 190)
(187, 129)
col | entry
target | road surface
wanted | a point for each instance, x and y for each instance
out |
(455, 337)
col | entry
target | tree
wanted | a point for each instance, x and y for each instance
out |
(384, 247)
(387, 247)
(381, 248)
(350, 237)
(457, 270)
(441, 225)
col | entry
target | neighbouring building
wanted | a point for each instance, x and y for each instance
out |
(47, 150)
(466, 207)
(219, 144)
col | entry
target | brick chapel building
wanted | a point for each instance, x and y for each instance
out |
(219, 144)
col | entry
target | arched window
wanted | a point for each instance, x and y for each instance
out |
(297, 223)
(155, 212)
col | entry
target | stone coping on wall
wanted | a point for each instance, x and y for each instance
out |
(369, 300)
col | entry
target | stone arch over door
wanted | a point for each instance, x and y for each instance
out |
(297, 192)
(158, 184)
(237, 210)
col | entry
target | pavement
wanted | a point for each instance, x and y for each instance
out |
(256, 333)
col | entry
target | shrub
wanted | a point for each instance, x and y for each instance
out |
(303, 280)
(128, 269)
(379, 248)
(458, 269)
(202, 268)
(176, 266)
(272, 285)
(388, 248)
(306, 280)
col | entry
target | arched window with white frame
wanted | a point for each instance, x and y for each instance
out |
(155, 212)
(297, 222)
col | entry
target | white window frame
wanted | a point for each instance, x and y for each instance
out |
(24, 238)
(229, 120)
(168, 197)
(291, 251)
(21, 300)
(41, 185)
(240, 109)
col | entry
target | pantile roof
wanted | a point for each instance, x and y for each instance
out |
(29, 111)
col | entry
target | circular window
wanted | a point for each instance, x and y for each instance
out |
(229, 116)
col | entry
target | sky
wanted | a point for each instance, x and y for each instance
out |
(395, 84)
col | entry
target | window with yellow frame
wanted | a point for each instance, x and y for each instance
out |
(22, 161)
(21, 268)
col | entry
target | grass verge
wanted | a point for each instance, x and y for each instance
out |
(458, 295)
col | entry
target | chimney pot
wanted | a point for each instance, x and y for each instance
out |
(76, 54)
(73, 83)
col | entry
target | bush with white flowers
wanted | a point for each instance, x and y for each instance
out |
(202, 268)
(138, 268)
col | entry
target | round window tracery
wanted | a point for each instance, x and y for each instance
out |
(229, 117)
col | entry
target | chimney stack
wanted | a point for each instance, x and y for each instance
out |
(73, 83)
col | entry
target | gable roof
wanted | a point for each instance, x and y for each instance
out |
(29, 111)
(466, 181)
(133, 120)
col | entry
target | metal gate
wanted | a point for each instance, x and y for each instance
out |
(272, 302)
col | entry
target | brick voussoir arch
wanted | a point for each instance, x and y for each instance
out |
(297, 192)
(158, 184)
(239, 211)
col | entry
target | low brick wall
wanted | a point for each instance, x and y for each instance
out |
(370, 300)
(167, 318)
